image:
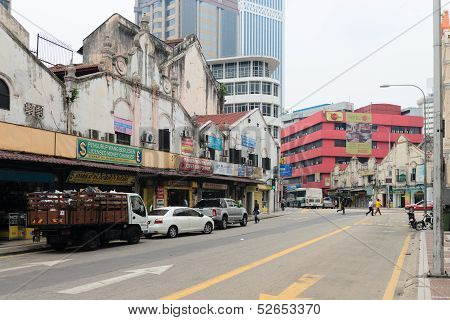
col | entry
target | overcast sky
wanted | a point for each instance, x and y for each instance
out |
(323, 38)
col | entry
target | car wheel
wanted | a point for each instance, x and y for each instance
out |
(172, 232)
(90, 241)
(208, 228)
(134, 236)
(224, 223)
(148, 236)
(244, 221)
(420, 226)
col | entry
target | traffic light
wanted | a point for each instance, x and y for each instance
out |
(274, 187)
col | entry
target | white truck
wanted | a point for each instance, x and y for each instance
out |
(89, 219)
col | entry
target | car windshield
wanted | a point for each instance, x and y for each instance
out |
(158, 212)
(211, 203)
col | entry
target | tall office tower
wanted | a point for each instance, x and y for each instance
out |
(262, 31)
(215, 22)
(6, 4)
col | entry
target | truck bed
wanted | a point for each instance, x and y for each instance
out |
(76, 208)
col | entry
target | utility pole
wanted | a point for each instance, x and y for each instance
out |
(438, 237)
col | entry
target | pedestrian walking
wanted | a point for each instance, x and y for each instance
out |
(343, 204)
(378, 206)
(256, 211)
(283, 204)
(370, 208)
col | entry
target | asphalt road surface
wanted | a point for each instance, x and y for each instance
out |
(309, 254)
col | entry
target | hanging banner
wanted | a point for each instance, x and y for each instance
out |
(123, 126)
(223, 168)
(187, 146)
(100, 178)
(359, 133)
(195, 165)
(334, 116)
(90, 150)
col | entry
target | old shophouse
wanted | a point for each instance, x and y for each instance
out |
(123, 120)
(397, 180)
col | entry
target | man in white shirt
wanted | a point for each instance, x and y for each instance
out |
(370, 207)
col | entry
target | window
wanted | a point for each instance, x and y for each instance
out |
(253, 160)
(241, 88)
(266, 70)
(311, 178)
(157, 4)
(266, 109)
(253, 105)
(212, 154)
(4, 96)
(230, 70)
(374, 128)
(137, 206)
(157, 14)
(170, 22)
(374, 145)
(230, 88)
(266, 164)
(255, 87)
(228, 108)
(171, 2)
(276, 131)
(340, 126)
(217, 71)
(164, 140)
(123, 138)
(275, 90)
(170, 12)
(413, 174)
(158, 34)
(157, 25)
(244, 69)
(340, 143)
(241, 107)
(267, 88)
(276, 111)
(258, 69)
(170, 33)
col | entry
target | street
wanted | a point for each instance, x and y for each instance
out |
(305, 254)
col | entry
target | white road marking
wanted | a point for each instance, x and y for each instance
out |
(35, 264)
(130, 275)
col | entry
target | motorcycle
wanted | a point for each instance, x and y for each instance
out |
(426, 222)
(412, 219)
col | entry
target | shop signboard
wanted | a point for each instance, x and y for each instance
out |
(285, 170)
(248, 142)
(223, 168)
(187, 146)
(249, 171)
(420, 174)
(159, 197)
(123, 126)
(195, 165)
(335, 116)
(97, 151)
(215, 143)
(214, 186)
(100, 178)
(359, 133)
(241, 170)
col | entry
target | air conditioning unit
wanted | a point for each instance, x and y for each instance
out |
(93, 134)
(147, 137)
(110, 137)
(77, 133)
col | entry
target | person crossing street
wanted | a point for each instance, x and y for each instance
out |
(378, 206)
(370, 208)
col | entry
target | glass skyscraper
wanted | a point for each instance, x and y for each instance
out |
(215, 22)
(262, 31)
(6, 4)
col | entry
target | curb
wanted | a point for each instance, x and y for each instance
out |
(19, 250)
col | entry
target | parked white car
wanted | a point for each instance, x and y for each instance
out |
(172, 221)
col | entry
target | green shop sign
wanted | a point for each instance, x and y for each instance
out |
(98, 151)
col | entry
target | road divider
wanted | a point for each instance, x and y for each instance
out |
(228, 275)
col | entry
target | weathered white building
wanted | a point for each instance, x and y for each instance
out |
(30, 94)
(397, 180)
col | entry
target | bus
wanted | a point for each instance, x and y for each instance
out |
(305, 198)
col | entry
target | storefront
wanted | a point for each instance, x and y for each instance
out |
(263, 197)
(211, 190)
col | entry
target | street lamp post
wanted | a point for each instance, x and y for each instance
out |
(425, 200)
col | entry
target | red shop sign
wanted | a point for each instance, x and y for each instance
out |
(195, 165)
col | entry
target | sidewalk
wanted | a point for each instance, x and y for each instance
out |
(21, 246)
(439, 289)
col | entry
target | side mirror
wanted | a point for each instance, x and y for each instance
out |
(201, 215)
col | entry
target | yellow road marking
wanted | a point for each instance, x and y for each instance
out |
(228, 275)
(392, 284)
(294, 290)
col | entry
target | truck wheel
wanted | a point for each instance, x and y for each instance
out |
(208, 228)
(244, 220)
(59, 247)
(224, 223)
(90, 241)
(172, 232)
(134, 236)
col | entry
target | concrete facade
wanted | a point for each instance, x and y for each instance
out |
(36, 95)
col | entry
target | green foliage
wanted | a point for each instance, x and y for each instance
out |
(74, 93)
